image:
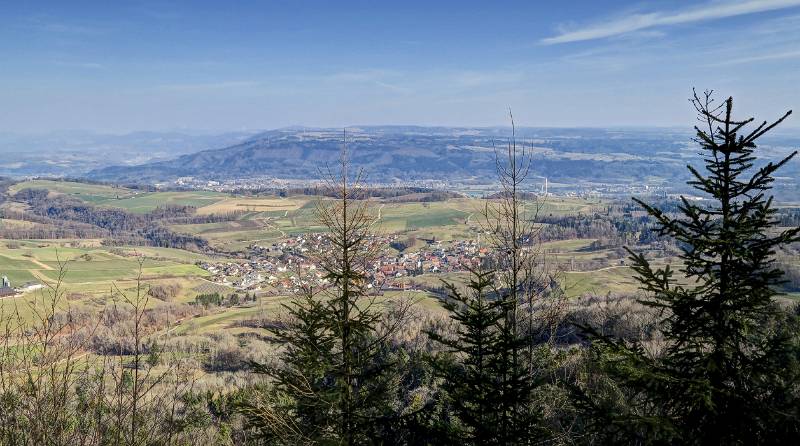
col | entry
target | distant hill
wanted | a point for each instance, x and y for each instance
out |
(409, 153)
(428, 153)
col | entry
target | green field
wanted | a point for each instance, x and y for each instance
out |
(91, 193)
(558, 206)
(269, 226)
(612, 279)
(270, 218)
(119, 197)
(91, 272)
(148, 201)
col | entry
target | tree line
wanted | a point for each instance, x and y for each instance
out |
(67, 216)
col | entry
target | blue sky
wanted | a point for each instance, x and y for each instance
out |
(120, 66)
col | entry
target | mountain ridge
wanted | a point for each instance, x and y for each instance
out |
(409, 153)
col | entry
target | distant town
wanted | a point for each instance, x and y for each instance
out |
(287, 266)
(472, 188)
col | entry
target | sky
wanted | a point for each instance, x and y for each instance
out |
(113, 67)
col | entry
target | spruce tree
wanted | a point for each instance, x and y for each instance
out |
(520, 273)
(468, 367)
(727, 374)
(296, 407)
(360, 364)
(498, 322)
(333, 383)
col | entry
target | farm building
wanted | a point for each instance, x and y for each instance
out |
(5, 289)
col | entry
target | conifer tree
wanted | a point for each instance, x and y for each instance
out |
(332, 385)
(495, 352)
(510, 233)
(728, 373)
(469, 364)
(297, 408)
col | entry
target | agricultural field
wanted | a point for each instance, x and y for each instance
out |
(270, 219)
(90, 273)
(93, 270)
(129, 199)
(91, 193)
(611, 279)
(148, 201)
(267, 205)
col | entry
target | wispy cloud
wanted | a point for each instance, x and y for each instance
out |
(786, 24)
(53, 26)
(382, 78)
(793, 54)
(223, 85)
(639, 21)
(80, 64)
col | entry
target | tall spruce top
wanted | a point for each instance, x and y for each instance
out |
(719, 320)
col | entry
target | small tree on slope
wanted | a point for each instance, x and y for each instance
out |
(469, 368)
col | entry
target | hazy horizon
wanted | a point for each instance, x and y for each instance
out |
(790, 130)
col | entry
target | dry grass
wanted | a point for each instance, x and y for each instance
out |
(252, 204)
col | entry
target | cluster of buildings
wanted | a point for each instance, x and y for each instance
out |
(257, 183)
(284, 273)
(288, 266)
(237, 184)
(435, 257)
(615, 190)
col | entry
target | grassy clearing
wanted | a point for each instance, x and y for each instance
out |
(217, 321)
(17, 270)
(560, 206)
(613, 279)
(567, 245)
(395, 217)
(92, 271)
(231, 236)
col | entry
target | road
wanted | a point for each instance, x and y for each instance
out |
(379, 214)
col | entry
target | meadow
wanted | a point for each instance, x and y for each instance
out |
(269, 219)
(119, 197)
(90, 273)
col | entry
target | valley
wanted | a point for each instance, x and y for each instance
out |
(266, 232)
(254, 245)
(200, 277)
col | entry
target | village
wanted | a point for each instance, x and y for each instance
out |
(287, 266)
